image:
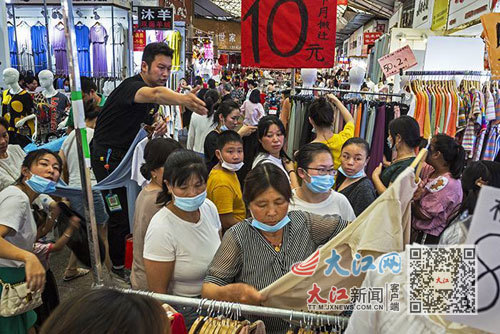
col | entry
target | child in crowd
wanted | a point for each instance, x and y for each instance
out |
(252, 109)
(223, 186)
(440, 192)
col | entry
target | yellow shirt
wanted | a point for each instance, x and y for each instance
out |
(337, 140)
(223, 188)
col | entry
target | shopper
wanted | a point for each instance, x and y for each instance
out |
(132, 103)
(321, 117)
(286, 108)
(247, 259)
(351, 177)
(226, 92)
(200, 125)
(223, 187)
(404, 138)
(440, 192)
(89, 93)
(108, 311)
(39, 174)
(271, 133)
(238, 93)
(315, 195)
(252, 109)
(11, 157)
(156, 153)
(183, 236)
(251, 85)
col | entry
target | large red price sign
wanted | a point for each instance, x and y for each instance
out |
(288, 33)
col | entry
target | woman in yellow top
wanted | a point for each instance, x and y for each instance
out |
(321, 118)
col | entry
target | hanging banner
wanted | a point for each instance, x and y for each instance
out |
(440, 14)
(422, 15)
(400, 59)
(491, 24)
(182, 9)
(139, 39)
(227, 34)
(465, 11)
(156, 18)
(369, 38)
(290, 33)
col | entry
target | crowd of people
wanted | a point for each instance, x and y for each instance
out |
(223, 216)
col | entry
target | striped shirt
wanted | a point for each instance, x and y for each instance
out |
(245, 256)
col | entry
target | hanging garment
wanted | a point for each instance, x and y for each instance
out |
(371, 125)
(382, 228)
(49, 112)
(120, 45)
(99, 38)
(492, 144)
(83, 46)
(24, 47)
(59, 47)
(378, 141)
(174, 41)
(39, 44)
(12, 46)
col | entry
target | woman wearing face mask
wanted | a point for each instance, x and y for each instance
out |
(183, 236)
(156, 153)
(226, 117)
(39, 173)
(351, 179)
(271, 134)
(223, 186)
(260, 250)
(404, 138)
(315, 195)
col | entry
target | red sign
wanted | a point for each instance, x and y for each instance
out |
(156, 18)
(400, 59)
(288, 33)
(139, 39)
(369, 38)
(342, 3)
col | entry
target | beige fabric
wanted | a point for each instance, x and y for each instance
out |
(18, 299)
(382, 228)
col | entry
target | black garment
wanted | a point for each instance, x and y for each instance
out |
(307, 134)
(226, 97)
(118, 224)
(209, 148)
(186, 118)
(120, 119)
(50, 299)
(250, 149)
(360, 194)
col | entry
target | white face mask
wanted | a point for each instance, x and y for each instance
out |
(232, 167)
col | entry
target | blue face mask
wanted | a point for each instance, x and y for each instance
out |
(224, 128)
(41, 185)
(359, 174)
(321, 183)
(268, 228)
(190, 204)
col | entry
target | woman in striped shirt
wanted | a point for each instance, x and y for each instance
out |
(257, 251)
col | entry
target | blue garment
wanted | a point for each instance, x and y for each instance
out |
(60, 83)
(364, 120)
(12, 46)
(39, 47)
(83, 47)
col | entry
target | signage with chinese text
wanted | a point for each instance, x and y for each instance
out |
(226, 34)
(465, 11)
(422, 15)
(182, 9)
(400, 59)
(291, 33)
(156, 18)
(139, 39)
(440, 14)
(369, 38)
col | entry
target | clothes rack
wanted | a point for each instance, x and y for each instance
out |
(246, 309)
(333, 90)
(437, 73)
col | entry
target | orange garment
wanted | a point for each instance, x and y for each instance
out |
(359, 115)
(427, 118)
(452, 125)
(437, 112)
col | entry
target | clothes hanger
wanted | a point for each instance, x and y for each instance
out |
(418, 163)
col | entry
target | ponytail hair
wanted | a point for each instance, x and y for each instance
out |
(211, 99)
(409, 130)
(453, 153)
(224, 109)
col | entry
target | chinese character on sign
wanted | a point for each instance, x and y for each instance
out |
(156, 18)
(375, 295)
(165, 14)
(358, 295)
(314, 295)
(333, 263)
(323, 12)
(232, 38)
(222, 36)
(315, 48)
(147, 14)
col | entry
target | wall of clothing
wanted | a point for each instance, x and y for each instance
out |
(94, 28)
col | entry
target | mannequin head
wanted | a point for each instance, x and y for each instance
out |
(10, 76)
(356, 78)
(46, 79)
(309, 76)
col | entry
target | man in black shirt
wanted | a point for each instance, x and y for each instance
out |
(133, 102)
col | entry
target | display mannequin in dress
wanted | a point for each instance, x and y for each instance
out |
(11, 79)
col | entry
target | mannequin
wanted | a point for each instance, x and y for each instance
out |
(356, 77)
(17, 108)
(309, 77)
(51, 106)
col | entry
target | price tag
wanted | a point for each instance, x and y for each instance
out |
(400, 59)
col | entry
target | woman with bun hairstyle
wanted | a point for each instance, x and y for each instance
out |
(201, 126)
(156, 153)
(404, 138)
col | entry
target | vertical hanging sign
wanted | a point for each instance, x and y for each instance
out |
(440, 14)
(288, 33)
(491, 25)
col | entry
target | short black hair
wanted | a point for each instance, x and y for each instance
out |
(264, 125)
(91, 110)
(156, 153)
(360, 142)
(87, 85)
(228, 136)
(254, 96)
(30, 79)
(306, 154)
(224, 109)
(409, 130)
(488, 171)
(4, 123)
(211, 83)
(262, 177)
(227, 87)
(321, 112)
(34, 156)
(153, 49)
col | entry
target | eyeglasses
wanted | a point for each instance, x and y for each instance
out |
(322, 171)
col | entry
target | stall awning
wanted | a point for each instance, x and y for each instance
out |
(207, 9)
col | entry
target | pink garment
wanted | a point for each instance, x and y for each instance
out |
(442, 196)
(253, 112)
(42, 251)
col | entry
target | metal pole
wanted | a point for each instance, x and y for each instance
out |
(130, 42)
(113, 42)
(292, 91)
(245, 309)
(349, 91)
(49, 56)
(81, 139)
(15, 34)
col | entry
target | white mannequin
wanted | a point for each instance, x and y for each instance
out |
(46, 79)
(11, 79)
(356, 77)
(309, 77)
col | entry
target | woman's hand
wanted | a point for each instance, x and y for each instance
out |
(332, 98)
(74, 222)
(246, 130)
(249, 295)
(289, 166)
(35, 273)
(377, 171)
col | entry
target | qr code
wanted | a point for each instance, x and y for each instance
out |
(442, 280)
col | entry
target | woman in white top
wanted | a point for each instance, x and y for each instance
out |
(201, 126)
(316, 169)
(11, 157)
(184, 235)
(271, 134)
(39, 173)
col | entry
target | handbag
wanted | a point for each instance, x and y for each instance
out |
(18, 299)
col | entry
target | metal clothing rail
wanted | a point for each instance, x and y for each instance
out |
(348, 91)
(423, 73)
(305, 317)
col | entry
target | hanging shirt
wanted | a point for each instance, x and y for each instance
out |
(59, 47)
(11, 31)
(99, 38)
(121, 50)
(24, 47)
(83, 46)
(39, 45)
